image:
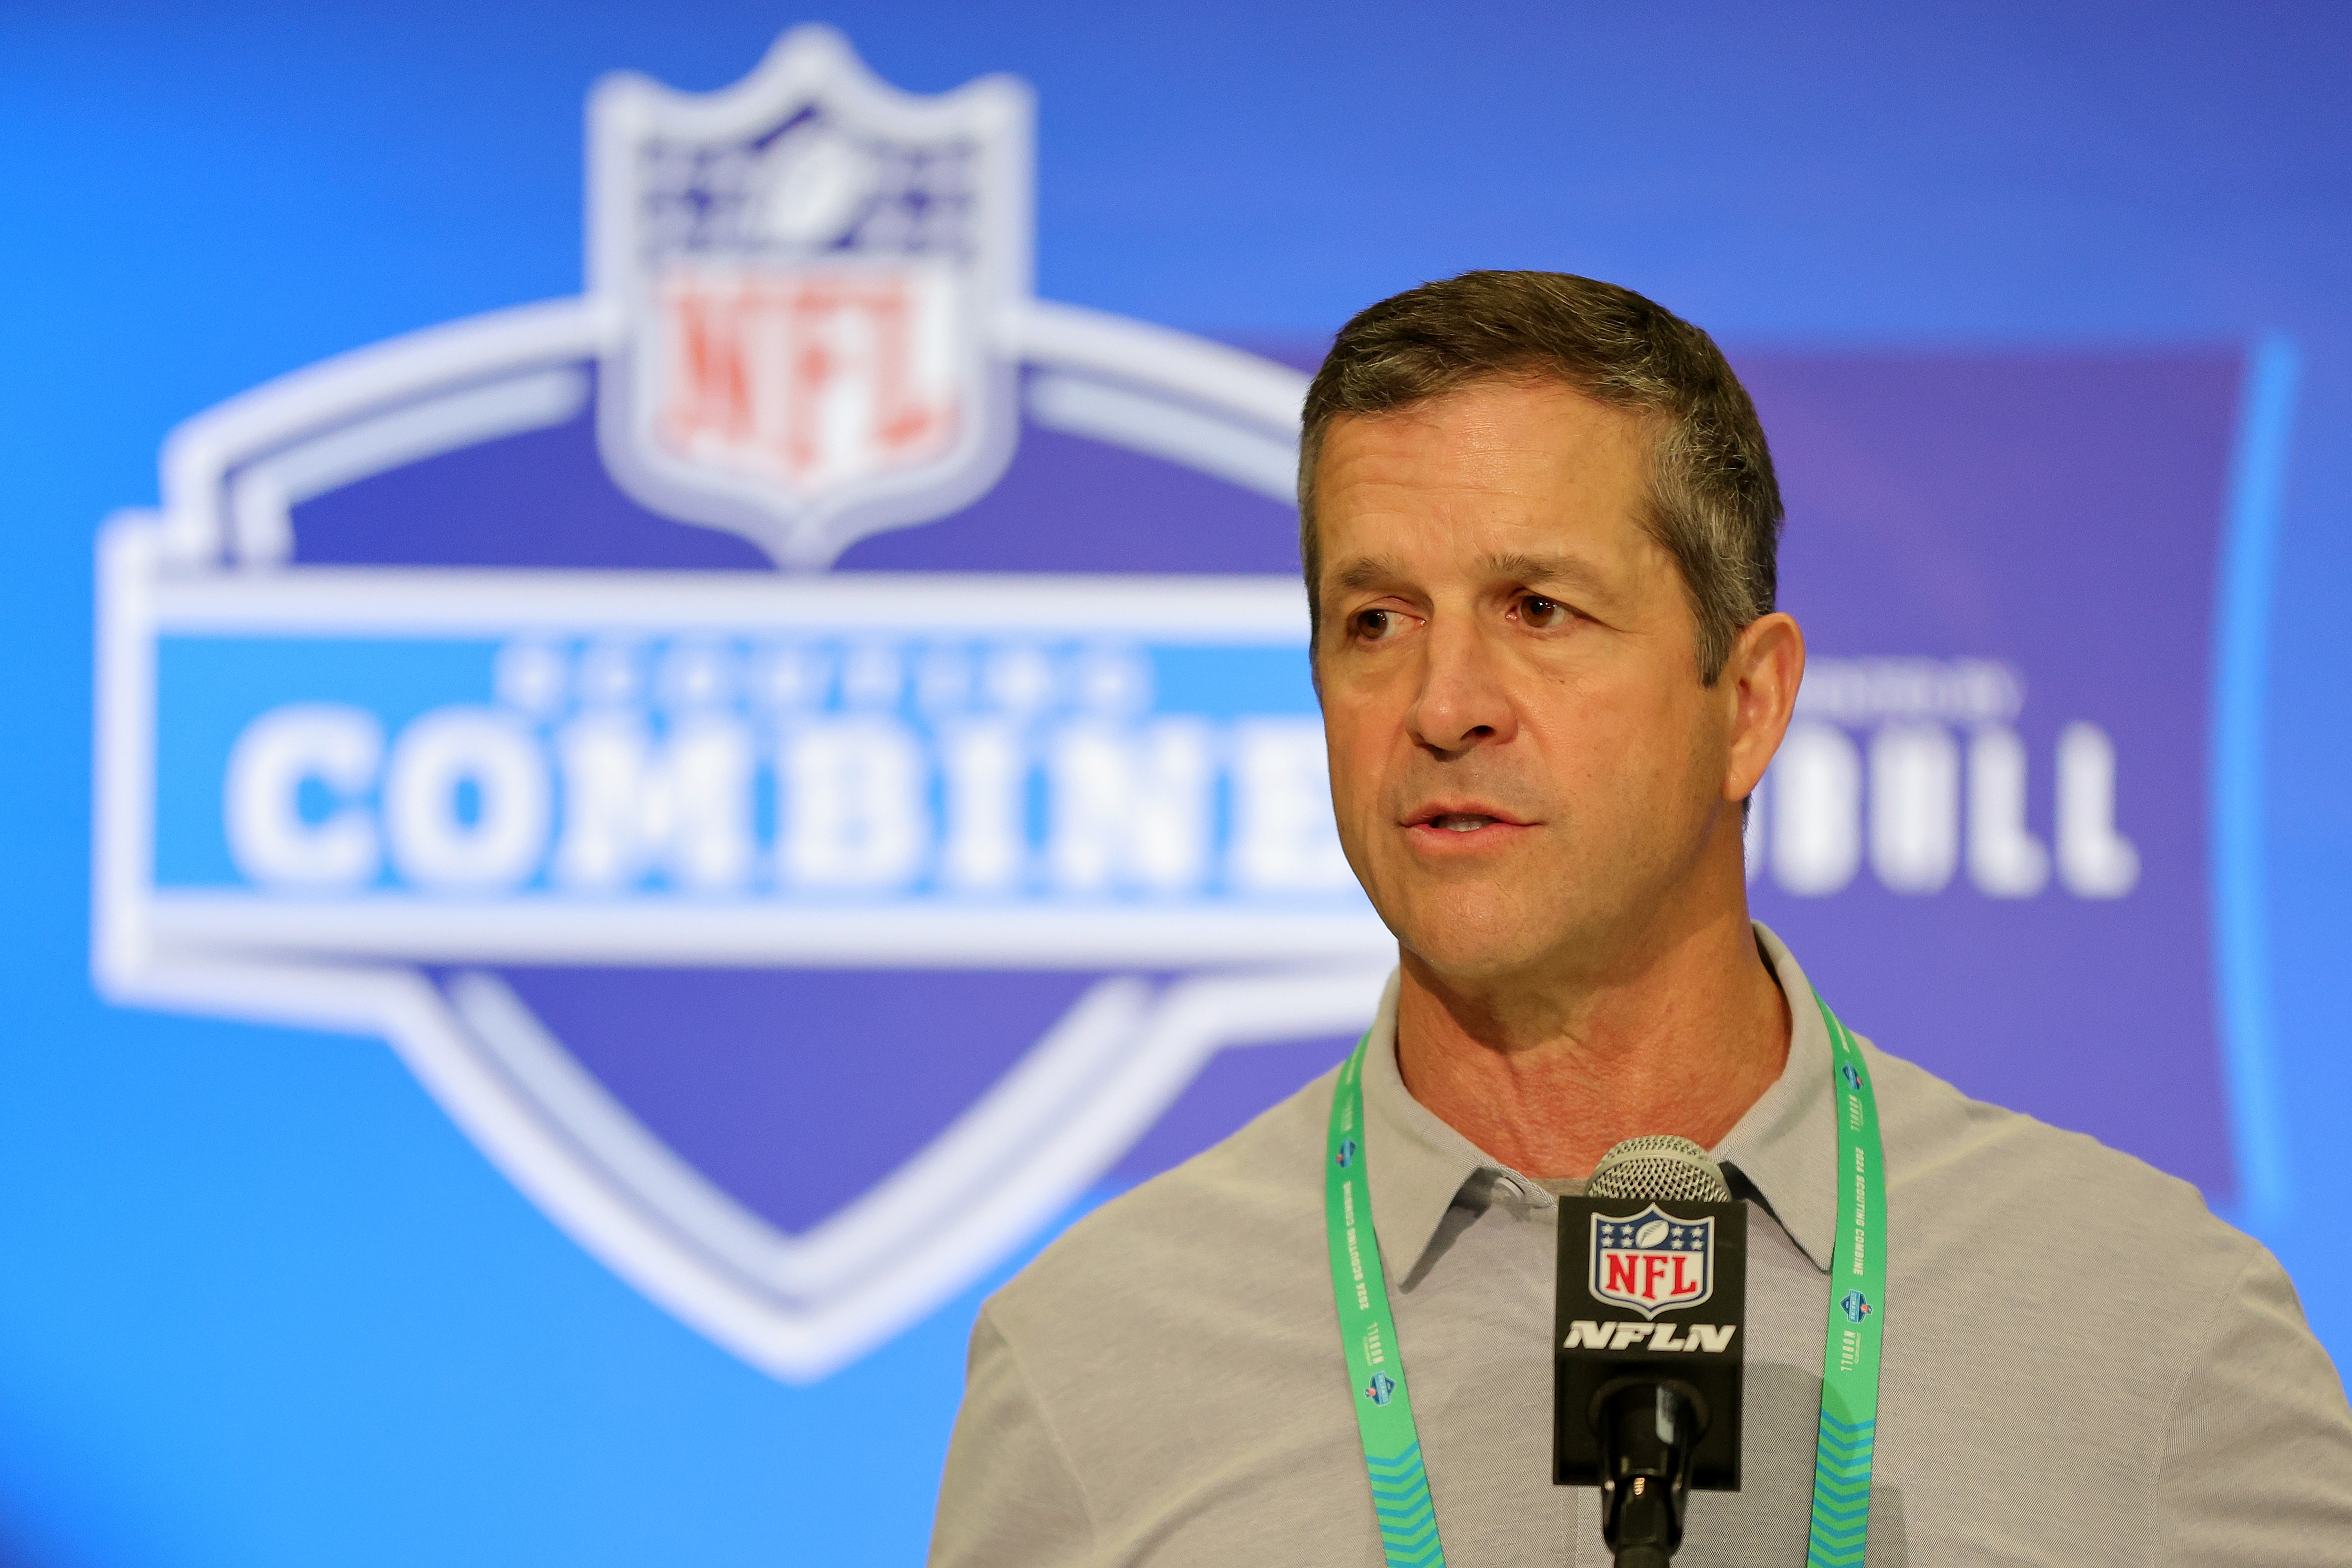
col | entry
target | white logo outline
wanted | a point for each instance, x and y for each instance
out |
(218, 556)
(810, 69)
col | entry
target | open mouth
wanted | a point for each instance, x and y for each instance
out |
(1458, 823)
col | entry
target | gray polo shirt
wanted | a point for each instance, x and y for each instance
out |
(2082, 1365)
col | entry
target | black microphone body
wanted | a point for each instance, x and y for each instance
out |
(1647, 1354)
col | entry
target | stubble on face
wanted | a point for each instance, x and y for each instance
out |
(1525, 766)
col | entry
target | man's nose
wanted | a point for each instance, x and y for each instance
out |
(1462, 701)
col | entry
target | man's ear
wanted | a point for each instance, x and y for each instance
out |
(1760, 680)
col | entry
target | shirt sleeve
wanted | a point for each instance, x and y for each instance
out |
(1008, 1498)
(2257, 1462)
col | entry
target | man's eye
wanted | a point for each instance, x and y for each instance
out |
(1544, 614)
(1373, 625)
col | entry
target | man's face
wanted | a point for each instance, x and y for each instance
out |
(1525, 765)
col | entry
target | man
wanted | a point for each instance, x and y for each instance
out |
(1539, 523)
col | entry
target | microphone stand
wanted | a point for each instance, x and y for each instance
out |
(1648, 1429)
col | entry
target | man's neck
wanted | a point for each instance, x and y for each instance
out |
(1547, 1074)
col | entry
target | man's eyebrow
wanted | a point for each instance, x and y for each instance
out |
(1539, 570)
(1363, 571)
(1368, 571)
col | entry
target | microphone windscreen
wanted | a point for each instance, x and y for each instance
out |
(1660, 1169)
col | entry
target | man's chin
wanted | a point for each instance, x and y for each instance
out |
(1459, 971)
(1479, 947)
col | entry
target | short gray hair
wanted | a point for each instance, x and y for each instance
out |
(1714, 506)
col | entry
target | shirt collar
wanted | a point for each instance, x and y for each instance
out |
(1419, 1165)
(1785, 1147)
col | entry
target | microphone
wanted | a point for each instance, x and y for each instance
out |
(1646, 1352)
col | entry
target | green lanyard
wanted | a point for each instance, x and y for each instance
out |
(1849, 1432)
(1400, 1502)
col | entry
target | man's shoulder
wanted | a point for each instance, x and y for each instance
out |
(2053, 1303)
(1174, 1355)
(1997, 1181)
(1191, 1235)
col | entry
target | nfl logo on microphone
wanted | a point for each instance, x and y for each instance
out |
(1653, 1262)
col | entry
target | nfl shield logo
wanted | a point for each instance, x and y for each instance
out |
(802, 942)
(813, 274)
(1652, 1262)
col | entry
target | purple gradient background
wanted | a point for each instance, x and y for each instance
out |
(2061, 513)
(2043, 509)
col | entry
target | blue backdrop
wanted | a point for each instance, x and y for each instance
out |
(263, 1302)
